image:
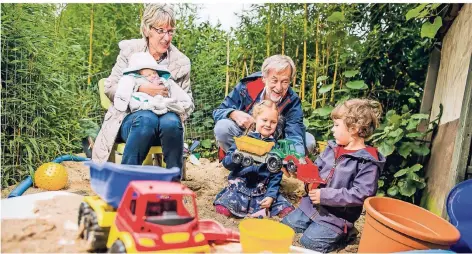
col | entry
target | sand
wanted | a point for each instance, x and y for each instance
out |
(56, 228)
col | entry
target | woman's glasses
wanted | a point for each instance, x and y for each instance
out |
(162, 32)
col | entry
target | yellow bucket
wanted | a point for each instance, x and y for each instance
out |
(322, 145)
(264, 235)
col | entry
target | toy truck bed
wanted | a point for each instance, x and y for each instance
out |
(253, 146)
(109, 180)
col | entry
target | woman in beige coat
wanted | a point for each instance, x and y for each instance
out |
(143, 129)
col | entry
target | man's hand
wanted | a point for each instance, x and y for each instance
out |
(242, 119)
(153, 89)
(314, 196)
(266, 202)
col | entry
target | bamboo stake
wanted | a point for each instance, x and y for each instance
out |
(314, 91)
(326, 73)
(283, 39)
(295, 60)
(268, 30)
(90, 51)
(251, 65)
(334, 76)
(227, 66)
(302, 86)
(242, 67)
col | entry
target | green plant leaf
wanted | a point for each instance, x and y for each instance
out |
(415, 168)
(412, 124)
(206, 143)
(420, 116)
(395, 133)
(306, 122)
(415, 135)
(392, 191)
(336, 16)
(429, 30)
(386, 149)
(321, 78)
(380, 193)
(405, 149)
(380, 183)
(350, 74)
(408, 188)
(422, 150)
(401, 172)
(324, 89)
(413, 13)
(357, 85)
(324, 111)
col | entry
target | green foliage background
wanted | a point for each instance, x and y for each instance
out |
(48, 104)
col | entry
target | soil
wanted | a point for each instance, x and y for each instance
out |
(55, 229)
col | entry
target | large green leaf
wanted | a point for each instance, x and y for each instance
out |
(408, 188)
(206, 143)
(413, 13)
(350, 74)
(386, 149)
(420, 116)
(392, 191)
(396, 133)
(416, 167)
(324, 89)
(429, 30)
(306, 122)
(405, 149)
(357, 85)
(336, 16)
(380, 183)
(324, 111)
(401, 172)
(422, 150)
(321, 78)
(415, 135)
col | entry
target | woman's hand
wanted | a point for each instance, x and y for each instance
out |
(241, 118)
(153, 89)
(266, 202)
(314, 196)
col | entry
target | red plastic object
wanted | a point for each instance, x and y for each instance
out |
(307, 172)
(216, 233)
(153, 209)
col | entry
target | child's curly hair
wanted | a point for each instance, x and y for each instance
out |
(363, 114)
(262, 105)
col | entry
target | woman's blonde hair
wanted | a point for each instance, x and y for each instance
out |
(263, 105)
(363, 114)
(156, 14)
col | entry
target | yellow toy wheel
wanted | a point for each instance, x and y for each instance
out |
(51, 176)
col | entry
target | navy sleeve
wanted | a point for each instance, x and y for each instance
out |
(228, 162)
(274, 185)
(231, 103)
(294, 128)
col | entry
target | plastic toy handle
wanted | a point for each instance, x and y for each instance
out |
(194, 145)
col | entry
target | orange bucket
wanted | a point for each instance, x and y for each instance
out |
(264, 235)
(392, 225)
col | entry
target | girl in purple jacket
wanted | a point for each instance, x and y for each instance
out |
(351, 170)
(253, 191)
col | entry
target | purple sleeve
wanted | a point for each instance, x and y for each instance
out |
(364, 186)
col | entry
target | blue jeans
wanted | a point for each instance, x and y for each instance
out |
(315, 236)
(143, 129)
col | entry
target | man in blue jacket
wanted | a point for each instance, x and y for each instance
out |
(273, 83)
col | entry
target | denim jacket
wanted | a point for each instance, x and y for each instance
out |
(290, 110)
(256, 173)
(342, 197)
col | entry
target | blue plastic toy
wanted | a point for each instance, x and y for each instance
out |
(109, 180)
(28, 182)
(459, 209)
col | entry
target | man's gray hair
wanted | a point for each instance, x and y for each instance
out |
(278, 63)
(156, 14)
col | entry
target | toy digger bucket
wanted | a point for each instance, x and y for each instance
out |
(252, 145)
(264, 235)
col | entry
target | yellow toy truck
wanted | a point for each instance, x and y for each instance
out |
(150, 216)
